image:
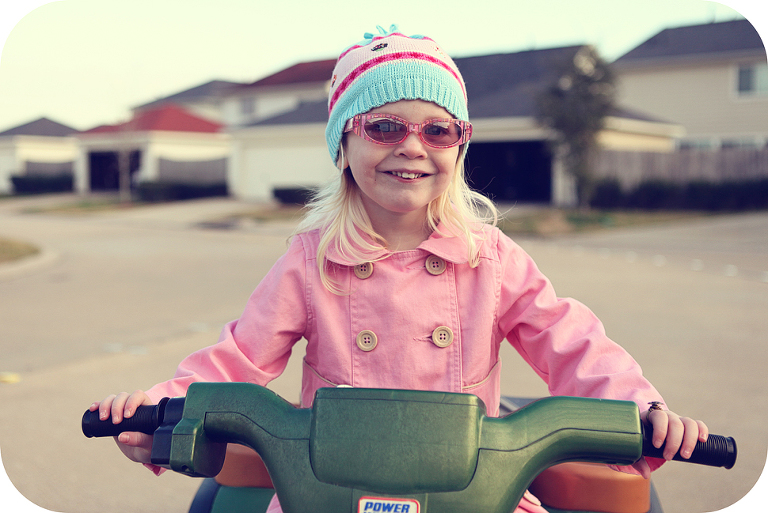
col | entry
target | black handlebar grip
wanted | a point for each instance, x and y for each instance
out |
(717, 451)
(146, 420)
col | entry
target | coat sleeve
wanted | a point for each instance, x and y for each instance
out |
(562, 340)
(256, 347)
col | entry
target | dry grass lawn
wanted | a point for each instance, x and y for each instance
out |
(14, 250)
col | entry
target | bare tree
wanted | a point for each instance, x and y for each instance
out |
(575, 107)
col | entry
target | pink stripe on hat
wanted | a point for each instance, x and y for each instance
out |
(352, 76)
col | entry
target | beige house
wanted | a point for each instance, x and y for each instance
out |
(712, 79)
(39, 148)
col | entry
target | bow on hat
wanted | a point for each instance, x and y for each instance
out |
(382, 31)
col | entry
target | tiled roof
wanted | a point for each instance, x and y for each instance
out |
(167, 117)
(42, 126)
(698, 40)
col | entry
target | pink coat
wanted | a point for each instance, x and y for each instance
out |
(419, 319)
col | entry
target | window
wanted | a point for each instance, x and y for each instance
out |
(745, 142)
(695, 144)
(247, 106)
(753, 79)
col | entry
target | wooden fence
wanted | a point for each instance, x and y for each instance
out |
(683, 166)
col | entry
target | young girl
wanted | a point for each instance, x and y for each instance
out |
(394, 279)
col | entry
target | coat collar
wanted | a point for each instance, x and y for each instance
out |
(441, 243)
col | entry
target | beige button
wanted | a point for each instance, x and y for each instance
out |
(366, 340)
(442, 336)
(435, 265)
(364, 271)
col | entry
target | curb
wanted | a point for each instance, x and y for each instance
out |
(28, 265)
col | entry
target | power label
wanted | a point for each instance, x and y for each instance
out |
(386, 505)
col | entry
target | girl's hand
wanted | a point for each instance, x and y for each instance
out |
(136, 446)
(679, 433)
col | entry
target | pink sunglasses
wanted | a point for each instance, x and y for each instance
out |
(387, 129)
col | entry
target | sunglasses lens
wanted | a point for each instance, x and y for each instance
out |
(385, 131)
(442, 133)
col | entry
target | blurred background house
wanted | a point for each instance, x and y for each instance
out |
(712, 79)
(162, 144)
(277, 127)
(691, 105)
(36, 153)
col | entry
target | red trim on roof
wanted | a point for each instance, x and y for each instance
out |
(168, 117)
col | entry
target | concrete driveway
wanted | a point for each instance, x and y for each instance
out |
(118, 298)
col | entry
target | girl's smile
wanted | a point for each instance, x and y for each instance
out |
(406, 175)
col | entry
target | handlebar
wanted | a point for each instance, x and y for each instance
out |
(146, 420)
(717, 451)
(356, 443)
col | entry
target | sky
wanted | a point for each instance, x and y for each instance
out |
(88, 62)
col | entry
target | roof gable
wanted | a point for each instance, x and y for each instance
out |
(167, 117)
(698, 40)
(43, 127)
(306, 112)
(507, 84)
(302, 73)
(212, 89)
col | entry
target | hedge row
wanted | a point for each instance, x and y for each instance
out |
(662, 195)
(42, 184)
(293, 195)
(650, 195)
(172, 191)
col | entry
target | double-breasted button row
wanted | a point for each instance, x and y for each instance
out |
(434, 264)
(442, 336)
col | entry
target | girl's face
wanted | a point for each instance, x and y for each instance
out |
(401, 179)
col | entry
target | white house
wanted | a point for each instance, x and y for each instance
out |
(165, 143)
(41, 147)
(205, 100)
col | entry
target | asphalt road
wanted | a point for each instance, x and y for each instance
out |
(116, 299)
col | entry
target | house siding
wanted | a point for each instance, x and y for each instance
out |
(15, 151)
(265, 158)
(702, 98)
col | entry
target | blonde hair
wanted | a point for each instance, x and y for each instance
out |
(337, 212)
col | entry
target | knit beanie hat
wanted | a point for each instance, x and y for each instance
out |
(387, 68)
